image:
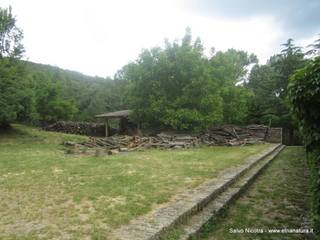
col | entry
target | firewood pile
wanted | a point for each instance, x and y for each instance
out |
(82, 128)
(131, 143)
(226, 135)
(233, 135)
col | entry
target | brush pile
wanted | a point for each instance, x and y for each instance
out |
(226, 135)
(229, 135)
(132, 143)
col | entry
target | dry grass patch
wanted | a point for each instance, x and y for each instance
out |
(47, 194)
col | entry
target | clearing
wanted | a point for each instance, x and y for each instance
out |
(47, 194)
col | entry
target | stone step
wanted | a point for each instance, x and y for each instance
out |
(194, 225)
(189, 204)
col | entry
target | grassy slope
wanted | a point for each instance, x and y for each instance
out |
(278, 199)
(46, 193)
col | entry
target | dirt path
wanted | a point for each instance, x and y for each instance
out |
(279, 199)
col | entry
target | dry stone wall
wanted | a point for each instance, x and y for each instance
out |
(81, 128)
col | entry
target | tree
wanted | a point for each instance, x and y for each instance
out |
(181, 88)
(172, 87)
(231, 67)
(314, 48)
(13, 97)
(230, 70)
(263, 106)
(304, 96)
(269, 84)
(285, 64)
(51, 106)
(235, 104)
(10, 35)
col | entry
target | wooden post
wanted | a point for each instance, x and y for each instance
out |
(266, 134)
(107, 127)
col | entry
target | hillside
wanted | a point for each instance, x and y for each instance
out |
(91, 95)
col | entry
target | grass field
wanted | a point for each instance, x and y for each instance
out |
(278, 199)
(45, 193)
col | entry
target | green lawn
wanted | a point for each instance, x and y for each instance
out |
(45, 193)
(278, 199)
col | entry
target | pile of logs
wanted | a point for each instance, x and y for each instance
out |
(226, 135)
(82, 128)
(131, 143)
(233, 135)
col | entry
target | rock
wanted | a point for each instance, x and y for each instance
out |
(177, 147)
(99, 153)
(69, 143)
(113, 151)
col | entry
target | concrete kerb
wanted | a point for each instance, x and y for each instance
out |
(213, 210)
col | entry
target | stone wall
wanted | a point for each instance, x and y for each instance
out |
(81, 128)
(274, 135)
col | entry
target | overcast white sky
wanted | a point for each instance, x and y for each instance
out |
(98, 37)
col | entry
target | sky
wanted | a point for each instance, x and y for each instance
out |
(98, 37)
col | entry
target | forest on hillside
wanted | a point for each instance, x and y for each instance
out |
(177, 87)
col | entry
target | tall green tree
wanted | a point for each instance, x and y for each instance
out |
(10, 35)
(262, 106)
(285, 64)
(50, 104)
(314, 48)
(172, 86)
(230, 70)
(231, 67)
(15, 100)
(269, 83)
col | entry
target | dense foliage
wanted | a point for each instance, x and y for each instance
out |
(305, 99)
(10, 35)
(176, 87)
(64, 95)
(269, 83)
(13, 99)
(180, 88)
(38, 93)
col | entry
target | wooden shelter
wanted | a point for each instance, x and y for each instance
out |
(123, 115)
